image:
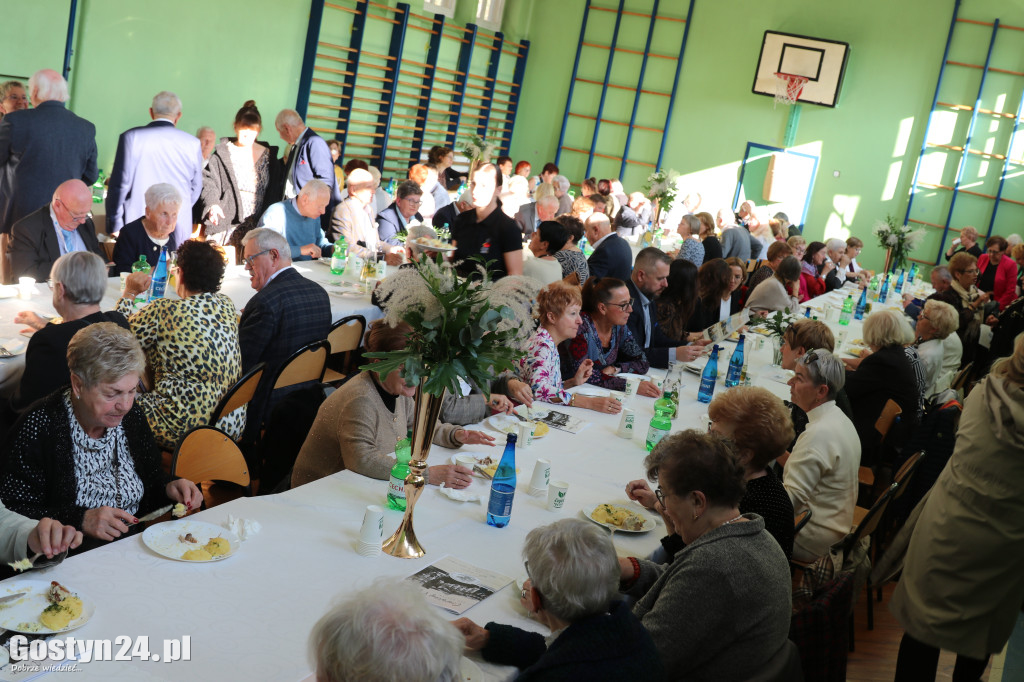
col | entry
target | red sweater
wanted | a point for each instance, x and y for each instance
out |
(1005, 287)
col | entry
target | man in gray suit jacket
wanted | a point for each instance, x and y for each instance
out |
(534, 213)
(152, 154)
(39, 149)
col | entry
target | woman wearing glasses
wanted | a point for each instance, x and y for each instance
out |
(997, 272)
(604, 339)
(721, 609)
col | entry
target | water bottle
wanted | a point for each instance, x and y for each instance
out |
(503, 486)
(396, 483)
(735, 371)
(668, 402)
(913, 272)
(844, 317)
(659, 427)
(883, 291)
(709, 377)
(899, 282)
(159, 283)
(141, 265)
(807, 312)
(862, 305)
(99, 188)
(338, 256)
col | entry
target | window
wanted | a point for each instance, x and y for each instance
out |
(488, 13)
(445, 7)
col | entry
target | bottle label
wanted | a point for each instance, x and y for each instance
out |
(500, 503)
(396, 487)
(707, 388)
(654, 435)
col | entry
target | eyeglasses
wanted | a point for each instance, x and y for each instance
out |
(78, 218)
(250, 259)
(623, 306)
(412, 202)
(50, 284)
(660, 495)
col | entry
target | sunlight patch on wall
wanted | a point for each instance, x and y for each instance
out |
(844, 209)
(891, 180)
(943, 127)
(933, 164)
(903, 137)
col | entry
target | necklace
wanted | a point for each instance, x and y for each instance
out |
(726, 523)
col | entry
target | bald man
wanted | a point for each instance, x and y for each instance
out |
(309, 159)
(352, 218)
(62, 226)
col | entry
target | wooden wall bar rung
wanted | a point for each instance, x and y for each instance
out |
(320, 55)
(967, 107)
(328, 130)
(455, 72)
(922, 222)
(989, 23)
(622, 49)
(350, 10)
(362, 133)
(332, 95)
(392, 148)
(991, 68)
(446, 92)
(361, 146)
(381, 17)
(445, 80)
(603, 156)
(930, 185)
(637, 14)
(424, 29)
(422, 65)
(412, 74)
(372, 124)
(976, 152)
(337, 47)
(641, 163)
(479, 77)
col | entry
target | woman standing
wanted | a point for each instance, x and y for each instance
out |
(236, 180)
(967, 242)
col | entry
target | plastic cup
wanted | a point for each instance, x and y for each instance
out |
(632, 384)
(468, 461)
(526, 431)
(627, 424)
(541, 476)
(26, 285)
(372, 530)
(556, 495)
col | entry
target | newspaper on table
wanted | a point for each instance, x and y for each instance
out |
(456, 586)
(557, 420)
(722, 329)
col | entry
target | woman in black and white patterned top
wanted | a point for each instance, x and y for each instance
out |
(86, 455)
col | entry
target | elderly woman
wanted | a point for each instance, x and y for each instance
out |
(815, 268)
(997, 272)
(79, 280)
(938, 345)
(691, 249)
(966, 243)
(191, 346)
(718, 300)
(721, 609)
(772, 258)
(963, 577)
(572, 590)
(358, 425)
(605, 340)
(85, 455)
(759, 426)
(799, 246)
(570, 256)
(548, 239)
(152, 235)
(964, 269)
(889, 372)
(778, 292)
(236, 180)
(558, 307)
(712, 246)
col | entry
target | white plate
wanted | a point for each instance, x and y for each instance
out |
(14, 346)
(595, 391)
(506, 423)
(470, 671)
(163, 538)
(28, 608)
(8, 291)
(431, 247)
(649, 523)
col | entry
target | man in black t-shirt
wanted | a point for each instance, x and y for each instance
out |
(486, 232)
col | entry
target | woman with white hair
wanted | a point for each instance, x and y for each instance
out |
(573, 573)
(152, 235)
(938, 345)
(966, 242)
(384, 633)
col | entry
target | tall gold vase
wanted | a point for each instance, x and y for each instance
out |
(403, 543)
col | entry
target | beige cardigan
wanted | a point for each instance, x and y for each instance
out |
(354, 430)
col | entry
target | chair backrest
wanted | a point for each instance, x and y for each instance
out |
(960, 380)
(801, 519)
(752, 265)
(206, 453)
(887, 418)
(346, 334)
(305, 364)
(870, 521)
(239, 394)
(906, 472)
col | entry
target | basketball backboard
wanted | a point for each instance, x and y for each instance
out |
(822, 62)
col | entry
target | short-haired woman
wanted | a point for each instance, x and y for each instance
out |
(721, 609)
(570, 256)
(191, 345)
(152, 235)
(938, 345)
(997, 272)
(966, 243)
(572, 589)
(777, 250)
(712, 246)
(85, 455)
(814, 269)
(358, 425)
(547, 240)
(780, 291)
(442, 159)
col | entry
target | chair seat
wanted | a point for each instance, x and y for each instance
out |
(331, 376)
(858, 515)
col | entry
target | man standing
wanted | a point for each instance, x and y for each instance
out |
(394, 219)
(309, 157)
(298, 220)
(62, 226)
(287, 312)
(151, 154)
(612, 256)
(561, 185)
(207, 141)
(532, 214)
(39, 149)
(736, 241)
(486, 232)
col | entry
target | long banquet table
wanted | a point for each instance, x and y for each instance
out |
(249, 616)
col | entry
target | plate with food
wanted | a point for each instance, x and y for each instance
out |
(485, 464)
(45, 607)
(506, 423)
(188, 540)
(620, 518)
(432, 244)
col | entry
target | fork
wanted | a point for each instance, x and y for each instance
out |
(4, 353)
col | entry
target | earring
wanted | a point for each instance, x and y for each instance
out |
(696, 517)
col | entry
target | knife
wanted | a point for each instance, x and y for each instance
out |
(155, 515)
(12, 597)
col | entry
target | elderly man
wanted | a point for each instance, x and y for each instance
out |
(62, 226)
(532, 214)
(648, 279)
(561, 185)
(612, 256)
(736, 240)
(12, 97)
(353, 220)
(445, 218)
(835, 279)
(151, 154)
(486, 232)
(821, 472)
(287, 312)
(308, 158)
(942, 282)
(39, 149)
(207, 141)
(298, 220)
(394, 219)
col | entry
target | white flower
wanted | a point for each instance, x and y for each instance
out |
(892, 240)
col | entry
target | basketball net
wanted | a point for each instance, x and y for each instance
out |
(788, 88)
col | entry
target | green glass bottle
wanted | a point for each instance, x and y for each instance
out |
(396, 484)
(661, 424)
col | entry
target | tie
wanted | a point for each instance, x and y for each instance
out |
(69, 241)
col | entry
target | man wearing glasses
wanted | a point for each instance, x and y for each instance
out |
(62, 226)
(394, 220)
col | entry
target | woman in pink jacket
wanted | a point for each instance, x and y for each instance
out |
(998, 272)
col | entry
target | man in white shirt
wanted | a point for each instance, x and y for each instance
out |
(352, 220)
(821, 472)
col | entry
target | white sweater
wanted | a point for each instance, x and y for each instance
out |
(821, 474)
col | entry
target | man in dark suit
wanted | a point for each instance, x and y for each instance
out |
(531, 215)
(612, 256)
(445, 218)
(309, 158)
(39, 149)
(648, 279)
(153, 154)
(287, 312)
(60, 227)
(393, 220)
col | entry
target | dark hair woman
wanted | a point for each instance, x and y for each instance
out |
(717, 299)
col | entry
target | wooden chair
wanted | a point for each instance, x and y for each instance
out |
(961, 380)
(239, 394)
(800, 520)
(887, 418)
(206, 455)
(864, 527)
(305, 364)
(345, 336)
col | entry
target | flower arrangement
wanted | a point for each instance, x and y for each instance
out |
(475, 148)
(661, 187)
(461, 327)
(900, 240)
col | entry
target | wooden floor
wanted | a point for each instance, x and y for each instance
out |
(874, 659)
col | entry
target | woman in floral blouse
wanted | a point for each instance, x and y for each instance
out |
(559, 311)
(603, 337)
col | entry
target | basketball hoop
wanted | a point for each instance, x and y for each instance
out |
(789, 87)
